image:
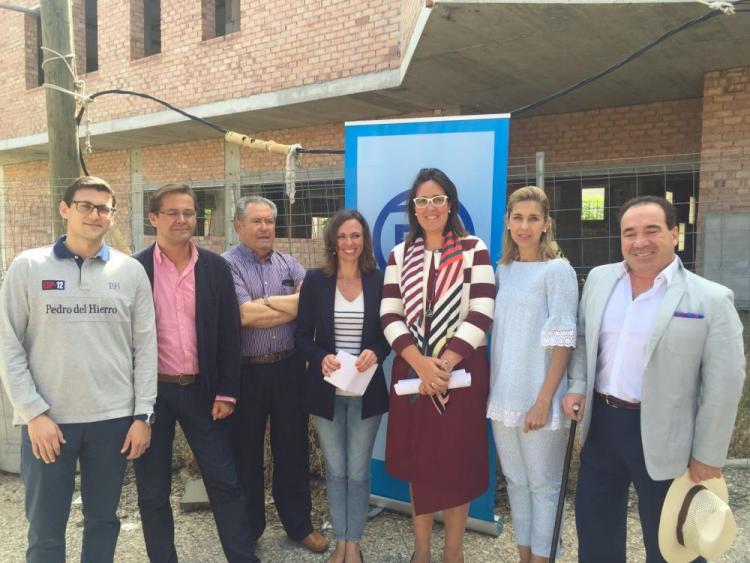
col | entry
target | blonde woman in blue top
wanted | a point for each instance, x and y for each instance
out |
(533, 336)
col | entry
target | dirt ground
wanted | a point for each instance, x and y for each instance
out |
(388, 537)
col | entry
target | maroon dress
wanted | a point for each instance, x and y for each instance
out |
(442, 456)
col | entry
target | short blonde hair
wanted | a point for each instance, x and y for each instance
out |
(548, 248)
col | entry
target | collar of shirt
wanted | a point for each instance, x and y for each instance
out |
(252, 257)
(62, 251)
(160, 256)
(665, 276)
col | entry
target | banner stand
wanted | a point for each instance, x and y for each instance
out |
(382, 160)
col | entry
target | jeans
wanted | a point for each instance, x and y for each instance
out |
(347, 443)
(209, 441)
(49, 490)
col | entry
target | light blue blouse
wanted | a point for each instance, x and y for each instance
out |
(535, 310)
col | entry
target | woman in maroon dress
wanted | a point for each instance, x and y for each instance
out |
(438, 302)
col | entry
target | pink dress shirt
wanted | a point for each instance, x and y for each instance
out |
(174, 299)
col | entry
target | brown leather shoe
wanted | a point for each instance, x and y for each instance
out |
(315, 542)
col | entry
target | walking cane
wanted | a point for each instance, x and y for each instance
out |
(563, 488)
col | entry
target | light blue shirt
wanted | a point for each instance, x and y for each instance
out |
(535, 310)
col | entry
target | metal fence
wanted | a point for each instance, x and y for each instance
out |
(585, 197)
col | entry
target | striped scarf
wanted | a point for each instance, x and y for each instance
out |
(446, 301)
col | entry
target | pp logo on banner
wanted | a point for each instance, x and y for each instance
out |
(381, 232)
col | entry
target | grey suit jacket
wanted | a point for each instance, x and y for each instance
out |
(694, 369)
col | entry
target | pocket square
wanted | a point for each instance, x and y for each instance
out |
(685, 315)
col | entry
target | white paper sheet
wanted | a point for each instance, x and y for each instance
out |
(459, 378)
(348, 378)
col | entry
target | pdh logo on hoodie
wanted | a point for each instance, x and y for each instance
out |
(48, 285)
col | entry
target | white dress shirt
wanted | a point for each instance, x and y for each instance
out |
(624, 334)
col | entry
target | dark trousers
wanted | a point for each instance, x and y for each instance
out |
(209, 441)
(611, 459)
(274, 391)
(49, 491)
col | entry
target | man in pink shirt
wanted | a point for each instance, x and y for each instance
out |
(198, 333)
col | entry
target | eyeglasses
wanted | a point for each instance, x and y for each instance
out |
(86, 207)
(436, 200)
(175, 213)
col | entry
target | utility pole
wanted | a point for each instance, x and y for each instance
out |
(64, 167)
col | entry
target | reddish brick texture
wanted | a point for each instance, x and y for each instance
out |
(725, 139)
(281, 44)
(658, 129)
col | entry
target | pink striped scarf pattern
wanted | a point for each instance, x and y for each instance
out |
(446, 301)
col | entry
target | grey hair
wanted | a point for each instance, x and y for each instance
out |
(243, 202)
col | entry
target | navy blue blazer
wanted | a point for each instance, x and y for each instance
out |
(217, 323)
(314, 338)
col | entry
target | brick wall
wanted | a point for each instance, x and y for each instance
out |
(184, 162)
(31, 56)
(136, 31)
(725, 150)
(79, 34)
(281, 44)
(646, 130)
(27, 207)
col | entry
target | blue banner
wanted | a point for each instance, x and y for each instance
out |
(382, 160)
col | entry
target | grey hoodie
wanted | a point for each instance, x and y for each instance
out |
(77, 342)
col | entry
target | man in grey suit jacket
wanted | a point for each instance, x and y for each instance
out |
(657, 373)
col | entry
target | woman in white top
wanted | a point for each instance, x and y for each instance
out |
(339, 312)
(533, 336)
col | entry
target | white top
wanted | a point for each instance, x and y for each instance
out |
(535, 310)
(626, 327)
(348, 320)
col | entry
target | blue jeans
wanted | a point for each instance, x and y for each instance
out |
(49, 490)
(347, 443)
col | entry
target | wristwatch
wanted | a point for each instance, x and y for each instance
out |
(148, 418)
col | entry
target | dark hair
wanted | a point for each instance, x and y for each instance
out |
(670, 214)
(88, 183)
(454, 221)
(154, 204)
(366, 259)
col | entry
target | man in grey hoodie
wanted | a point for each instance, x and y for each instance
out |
(78, 360)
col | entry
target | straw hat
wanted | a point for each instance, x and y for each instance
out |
(696, 520)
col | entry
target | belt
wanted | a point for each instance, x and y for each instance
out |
(181, 379)
(618, 403)
(267, 358)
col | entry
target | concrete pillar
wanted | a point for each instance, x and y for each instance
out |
(232, 173)
(136, 198)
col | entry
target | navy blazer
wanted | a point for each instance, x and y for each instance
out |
(217, 323)
(314, 337)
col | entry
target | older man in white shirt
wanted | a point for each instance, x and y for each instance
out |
(657, 372)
